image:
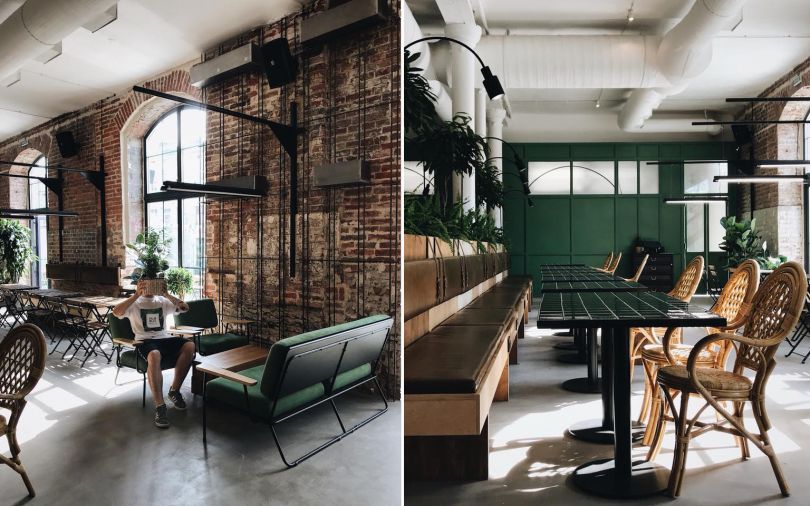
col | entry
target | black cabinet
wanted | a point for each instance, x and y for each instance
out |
(658, 273)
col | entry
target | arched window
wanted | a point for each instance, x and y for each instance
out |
(38, 199)
(174, 150)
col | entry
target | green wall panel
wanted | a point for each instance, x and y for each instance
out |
(592, 225)
(626, 232)
(647, 151)
(593, 151)
(548, 226)
(648, 224)
(514, 224)
(626, 152)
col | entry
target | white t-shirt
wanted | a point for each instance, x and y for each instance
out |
(147, 316)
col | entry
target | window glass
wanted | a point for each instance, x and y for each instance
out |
(648, 178)
(37, 191)
(695, 241)
(699, 178)
(717, 210)
(163, 137)
(628, 178)
(550, 178)
(162, 216)
(593, 178)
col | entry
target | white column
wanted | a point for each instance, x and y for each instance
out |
(464, 68)
(481, 100)
(495, 119)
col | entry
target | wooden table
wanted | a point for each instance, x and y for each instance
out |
(13, 287)
(616, 314)
(236, 359)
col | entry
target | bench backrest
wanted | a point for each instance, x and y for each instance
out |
(201, 313)
(422, 282)
(319, 356)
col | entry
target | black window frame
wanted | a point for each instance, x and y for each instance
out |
(36, 238)
(178, 197)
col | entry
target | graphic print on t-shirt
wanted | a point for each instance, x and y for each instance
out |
(152, 319)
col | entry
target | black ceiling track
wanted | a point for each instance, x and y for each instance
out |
(768, 99)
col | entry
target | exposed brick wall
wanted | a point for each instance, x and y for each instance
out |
(347, 254)
(778, 207)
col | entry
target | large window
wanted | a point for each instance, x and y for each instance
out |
(174, 150)
(592, 178)
(703, 230)
(38, 199)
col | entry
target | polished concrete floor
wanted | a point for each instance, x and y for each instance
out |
(531, 460)
(87, 441)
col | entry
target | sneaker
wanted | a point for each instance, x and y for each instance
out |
(177, 399)
(161, 420)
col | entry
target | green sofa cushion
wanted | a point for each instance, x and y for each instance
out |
(233, 394)
(216, 343)
(278, 353)
(352, 375)
(201, 313)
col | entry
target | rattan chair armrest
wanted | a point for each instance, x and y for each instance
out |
(665, 342)
(691, 364)
(228, 375)
(10, 397)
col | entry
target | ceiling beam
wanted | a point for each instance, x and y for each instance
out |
(456, 11)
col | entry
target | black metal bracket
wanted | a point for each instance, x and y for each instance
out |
(52, 183)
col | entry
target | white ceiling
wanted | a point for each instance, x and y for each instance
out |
(772, 38)
(148, 38)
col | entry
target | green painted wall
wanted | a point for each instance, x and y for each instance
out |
(583, 228)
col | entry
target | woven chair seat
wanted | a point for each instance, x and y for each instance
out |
(680, 352)
(717, 381)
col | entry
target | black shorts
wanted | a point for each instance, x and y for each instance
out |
(168, 347)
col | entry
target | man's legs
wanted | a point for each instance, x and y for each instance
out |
(155, 375)
(183, 364)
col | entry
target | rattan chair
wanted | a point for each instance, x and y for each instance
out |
(639, 270)
(22, 361)
(734, 304)
(608, 260)
(775, 310)
(684, 290)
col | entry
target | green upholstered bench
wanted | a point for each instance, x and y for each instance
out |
(302, 372)
(202, 313)
(123, 337)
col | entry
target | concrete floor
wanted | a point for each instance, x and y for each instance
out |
(86, 441)
(531, 459)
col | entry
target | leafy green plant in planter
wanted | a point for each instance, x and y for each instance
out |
(488, 188)
(450, 147)
(150, 249)
(741, 241)
(420, 111)
(15, 250)
(179, 281)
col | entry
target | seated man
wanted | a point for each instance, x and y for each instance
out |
(147, 316)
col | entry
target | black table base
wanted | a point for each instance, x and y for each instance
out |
(582, 386)
(601, 478)
(596, 431)
(572, 346)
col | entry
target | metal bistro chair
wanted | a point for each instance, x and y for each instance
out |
(775, 310)
(713, 283)
(10, 313)
(802, 329)
(22, 362)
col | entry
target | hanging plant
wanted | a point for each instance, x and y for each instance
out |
(15, 250)
(419, 100)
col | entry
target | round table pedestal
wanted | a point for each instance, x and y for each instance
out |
(566, 346)
(600, 478)
(583, 386)
(564, 333)
(594, 431)
(574, 358)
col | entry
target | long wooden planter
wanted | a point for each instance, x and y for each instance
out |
(419, 247)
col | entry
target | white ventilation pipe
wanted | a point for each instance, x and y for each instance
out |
(39, 24)
(684, 53)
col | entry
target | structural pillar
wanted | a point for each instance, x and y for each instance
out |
(495, 119)
(464, 67)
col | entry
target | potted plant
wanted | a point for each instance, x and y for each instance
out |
(741, 241)
(150, 249)
(15, 250)
(179, 281)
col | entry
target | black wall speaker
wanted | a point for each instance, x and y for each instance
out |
(742, 134)
(279, 63)
(67, 144)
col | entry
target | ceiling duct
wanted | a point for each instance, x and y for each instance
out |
(38, 25)
(243, 59)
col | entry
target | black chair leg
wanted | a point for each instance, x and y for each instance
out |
(205, 424)
(798, 337)
(143, 403)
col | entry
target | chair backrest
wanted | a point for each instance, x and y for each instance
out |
(201, 313)
(689, 280)
(608, 260)
(640, 269)
(22, 362)
(738, 292)
(120, 328)
(615, 263)
(319, 356)
(775, 311)
(421, 282)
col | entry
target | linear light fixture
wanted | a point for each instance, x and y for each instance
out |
(764, 178)
(214, 189)
(758, 163)
(696, 199)
(39, 212)
(768, 99)
(492, 84)
(17, 216)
